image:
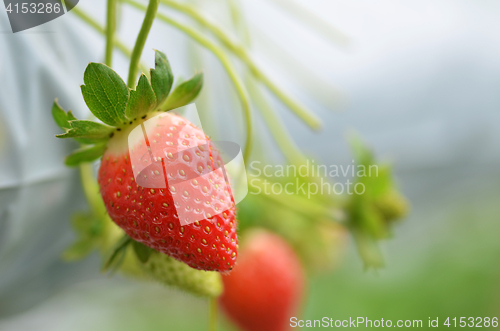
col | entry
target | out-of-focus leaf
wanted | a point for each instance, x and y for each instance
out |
(142, 251)
(78, 250)
(117, 255)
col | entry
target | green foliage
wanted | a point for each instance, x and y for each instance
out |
(105, 93)
(92, 132)
(316, 238)
(85, 154)
(142, 251)
(371, 213)
(115, 259)
(142, 100)
(162, 77)
(111, 101)
(184, 93)
(89, 230)
(61, 117)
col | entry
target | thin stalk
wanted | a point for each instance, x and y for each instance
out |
(300, 204)
(276, 127)
(212, 315)
(278, 130)
(96, 26)
(91, 189)
(302, 112)
(238, 21)
(110, 31)
(141, 41)
(226, 63)
(313, 21)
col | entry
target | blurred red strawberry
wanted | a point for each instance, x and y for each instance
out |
(265, 288)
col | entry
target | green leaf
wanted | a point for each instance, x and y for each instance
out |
(61, 117)
(142, 251)
(184, 93)
(87, 225)
(362, 153)
(93, 132)
(88, 228)
(142, 100)
(105, 93)
(116, 258)
(63, 120)
(161, 77)
(85, 154)
(78, 250)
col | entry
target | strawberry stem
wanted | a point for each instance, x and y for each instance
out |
(239, 50)
(313, 21)
(212, 314)
(141, 41)
(228, 66)
(110, 32)
(91, 189)
(276, 126)
(86, 18)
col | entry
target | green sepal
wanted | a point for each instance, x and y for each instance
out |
(105, 93)
(368, 249)
(184, 93)
(114, 261)
(142, 100)
(171, 272)
(85, 154)
(370, 213)
(89, 230)
(92, 132)
(61, 117)
(142, 251)
(162, 77)
(63, 120)
(78, 250)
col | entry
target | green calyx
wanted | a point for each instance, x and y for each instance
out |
(114, 104)
(372, 210)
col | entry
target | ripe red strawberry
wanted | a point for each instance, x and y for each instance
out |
(265, 288)
(148, 213)
(160, 178)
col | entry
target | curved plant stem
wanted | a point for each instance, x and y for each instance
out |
(141, 41)
(313, 21)
(110, 31)
(276, 127)
(226, 63)
(300, 204)
(96, 26)
(212, 315)
(303, 113)
(91, 189)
